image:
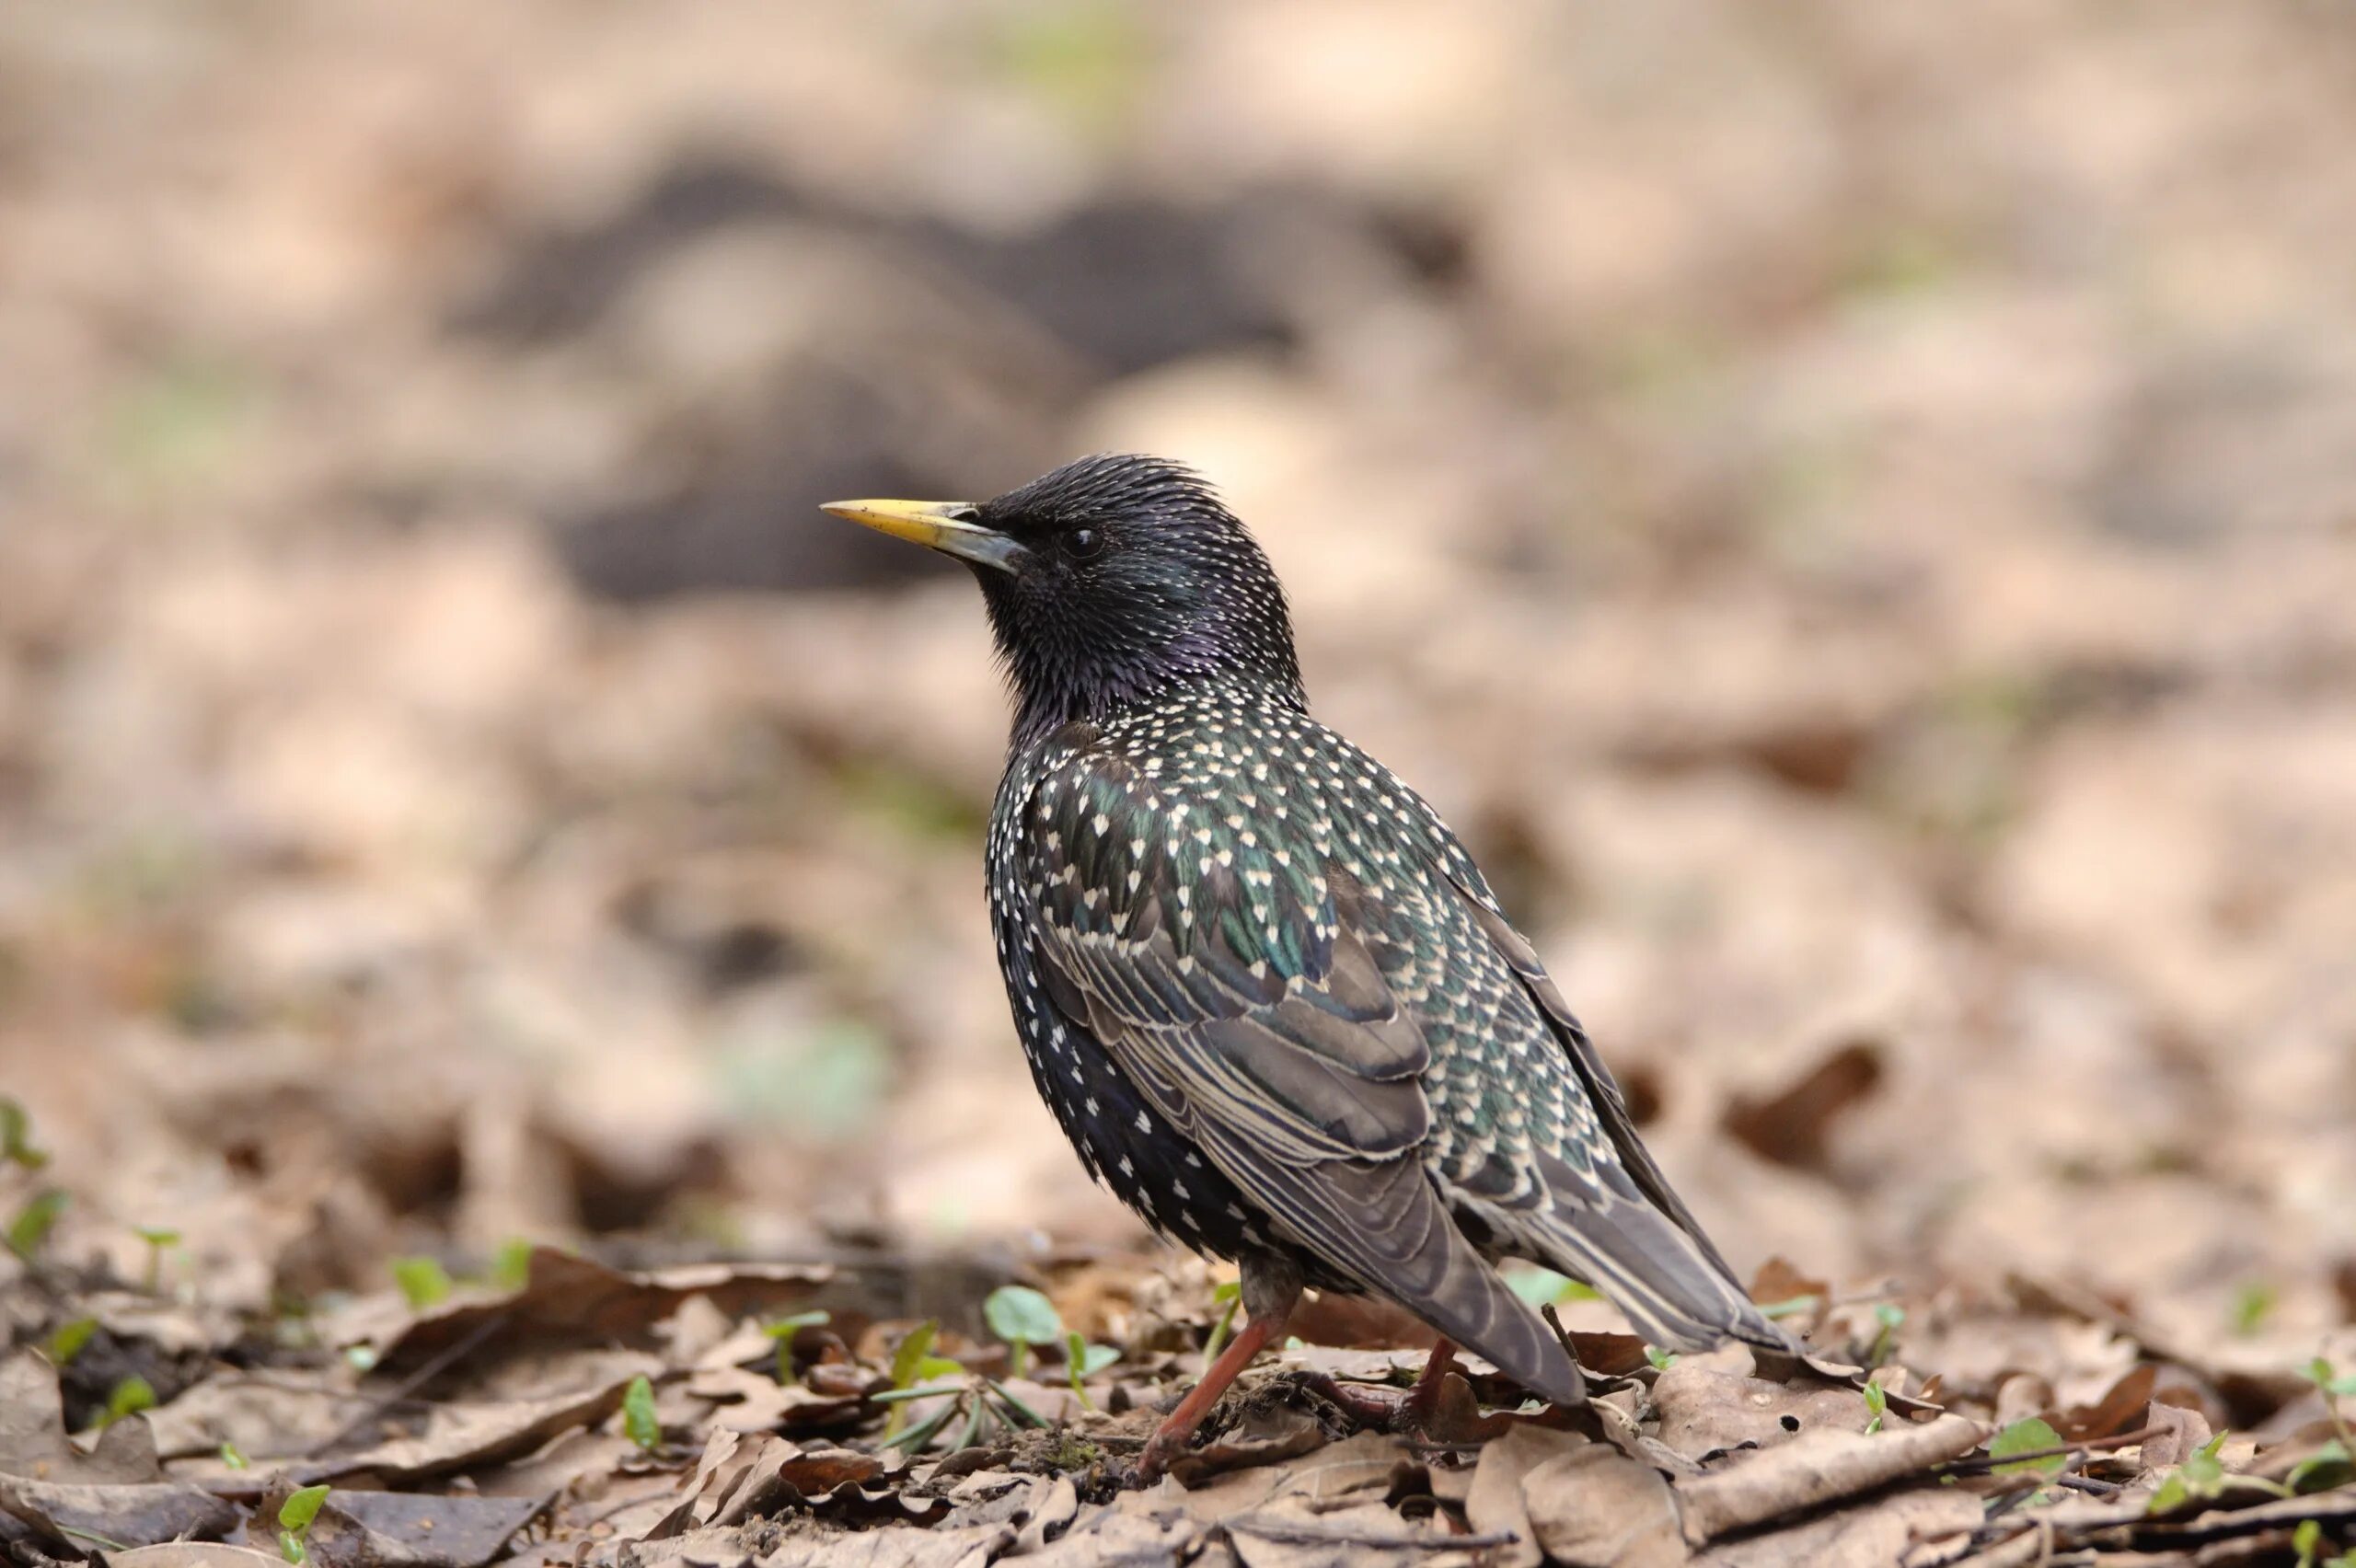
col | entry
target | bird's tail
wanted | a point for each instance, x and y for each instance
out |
(1675, 1289)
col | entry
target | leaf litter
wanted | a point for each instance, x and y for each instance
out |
(718, 1415)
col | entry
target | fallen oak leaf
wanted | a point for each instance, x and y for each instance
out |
(568, 1298)
(1872, 1535)
(1704, 1412)
(73, 1517)
(1813, 1468)
(1492, 1504)
(194, 1554)
(2127, 1403)
(34, 1443)
(1595, 1507)
(457, 1436)
(397, 1530)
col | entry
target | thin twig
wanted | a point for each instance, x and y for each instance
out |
(1977, 1464)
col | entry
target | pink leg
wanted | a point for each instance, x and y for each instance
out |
(1170, 1439)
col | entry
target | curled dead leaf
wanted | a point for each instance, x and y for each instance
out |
(1813, 1468)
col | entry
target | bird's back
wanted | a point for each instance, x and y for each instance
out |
(1263, 851)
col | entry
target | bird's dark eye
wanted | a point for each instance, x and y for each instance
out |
(1084, 543)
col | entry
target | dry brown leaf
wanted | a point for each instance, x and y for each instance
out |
(1813, 1468)
(195, 1554)
(1702, 1412)
(73, 1517)
(2122, 1408)
(264, 1416)
(1874, 1536)
(568, 1299)
(1264, 1437)
(1595, 1507)
(1292, 1533)
(459, 1434)
(1493, 1504)
(755, 1401)
(397, 1529)
(2182, 1434)
(33, 1440)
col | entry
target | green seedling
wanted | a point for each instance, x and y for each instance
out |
(2334, 1385)
(1228, 1298)
(640, 1424)
(157, 1238)
(17, 1137)
(917, 1374)
(2308, 1541)
(2202, 1475)
(1082, 1360)
(1876, 1406)
(783, 1330)
(2032, 1435)
(510, 1267)
(29, 1230)
(2253, 1304)
(128, 1398)
(424, 1281)
(1024, 1319)
(66, 1341)
(233, 1455)
(2329, 1466)
(914, 1363)
(294, 1516)
(1662, 1360)
(1889, 1316)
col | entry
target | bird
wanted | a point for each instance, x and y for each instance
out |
(1261, 983)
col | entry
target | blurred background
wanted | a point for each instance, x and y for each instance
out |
(1853, 515)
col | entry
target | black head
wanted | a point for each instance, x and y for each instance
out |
(1111, 581)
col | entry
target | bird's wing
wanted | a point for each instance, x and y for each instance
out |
(1232, 982)
(1618, 1223)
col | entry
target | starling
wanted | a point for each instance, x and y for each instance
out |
(1268, 995)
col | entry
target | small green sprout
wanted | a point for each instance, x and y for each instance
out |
(640, 1424)
(510, 1267)
(1229, 1299)
(2253, 1304)
(362, 1359)
(2027, 1437)
(1082, 1360)
(2334, 1385)
(157, 1238)
(66, 1341)
(17, 1137)
(783, 1330)
(2329, 1466)
(1889, 1316)
(1024, 1319)
(423, 1281)
(233, 1455)
(294, 1516)
(1662, 1360)
(129, 1397)
(29, 1230)
(1876, 1406)
(2202, 1475)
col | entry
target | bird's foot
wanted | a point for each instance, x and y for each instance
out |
(1441, 1410)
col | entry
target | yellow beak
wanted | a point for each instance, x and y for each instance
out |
(943, 525)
